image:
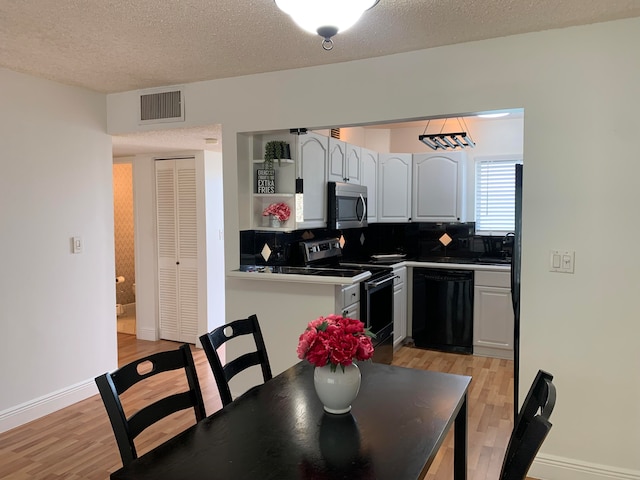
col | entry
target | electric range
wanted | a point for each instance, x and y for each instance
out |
(376, 292)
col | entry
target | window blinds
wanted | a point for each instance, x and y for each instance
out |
(495, 196)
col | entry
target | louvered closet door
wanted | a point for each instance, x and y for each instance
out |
(177, 249)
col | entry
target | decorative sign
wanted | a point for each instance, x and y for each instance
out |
(266, 181)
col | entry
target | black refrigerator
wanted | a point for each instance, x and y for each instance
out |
(515, 287)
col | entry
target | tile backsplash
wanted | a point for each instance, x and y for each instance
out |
(417, 240)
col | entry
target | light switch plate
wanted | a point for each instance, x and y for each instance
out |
(562, 261)
(77, 245)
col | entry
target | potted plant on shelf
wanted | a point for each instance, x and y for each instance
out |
(278, 213)
(275, 150)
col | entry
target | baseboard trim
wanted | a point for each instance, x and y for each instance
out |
(150, 334)
(34, 409)
(559, 468)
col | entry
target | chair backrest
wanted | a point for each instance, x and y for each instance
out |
(213, 340)
(530, 428)
(112, 385)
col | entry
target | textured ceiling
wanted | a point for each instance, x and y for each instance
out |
(120, 45)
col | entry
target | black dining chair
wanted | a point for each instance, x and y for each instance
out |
(112, 385)
(530, 428)
(213, 340)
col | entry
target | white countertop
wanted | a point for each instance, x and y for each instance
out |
(289, 277)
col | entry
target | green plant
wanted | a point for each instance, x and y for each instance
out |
(269, 154)
(275, 150)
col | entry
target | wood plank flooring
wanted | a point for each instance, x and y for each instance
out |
(77, 442)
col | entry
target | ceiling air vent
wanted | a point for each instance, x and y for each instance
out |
(335, 133)
(160, 106)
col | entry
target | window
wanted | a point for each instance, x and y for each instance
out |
(495, 195)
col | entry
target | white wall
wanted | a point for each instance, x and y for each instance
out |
(57, 313)
(579, 88)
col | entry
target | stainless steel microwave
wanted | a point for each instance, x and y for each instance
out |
(347, 205)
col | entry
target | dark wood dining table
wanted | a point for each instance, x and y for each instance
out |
(280, 431)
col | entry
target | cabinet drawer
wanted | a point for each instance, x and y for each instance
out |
(350, 295)
(401, 276)
(493, 279)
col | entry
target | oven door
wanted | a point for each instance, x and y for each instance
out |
(377, 313)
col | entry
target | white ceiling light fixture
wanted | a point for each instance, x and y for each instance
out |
(325, 17)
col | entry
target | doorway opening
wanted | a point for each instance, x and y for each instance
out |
(124, 242)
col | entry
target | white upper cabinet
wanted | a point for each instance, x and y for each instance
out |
(344, 162)
(438, 187)
(352, 164)
(313, 150)
(394, 187)
(337, 156)
(369, 178)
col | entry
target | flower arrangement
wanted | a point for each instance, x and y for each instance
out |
(279, 210)
(335, 340)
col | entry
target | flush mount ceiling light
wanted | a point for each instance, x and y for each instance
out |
(444, 141)
(325, 17)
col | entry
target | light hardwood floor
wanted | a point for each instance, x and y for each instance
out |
(77, 442)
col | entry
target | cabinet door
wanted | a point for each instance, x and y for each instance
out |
(438, 187)
(337, 157)
(312, 151)
(177, 249)
(352, 164)
(369, 177)
(394, 187)
(492, 322)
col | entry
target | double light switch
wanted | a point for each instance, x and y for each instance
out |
(561, 261)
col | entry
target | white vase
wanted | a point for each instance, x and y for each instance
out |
(336, 390)
(274, 221)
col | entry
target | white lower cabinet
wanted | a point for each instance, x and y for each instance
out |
(348, 300)
(399, 306)
(492, 315)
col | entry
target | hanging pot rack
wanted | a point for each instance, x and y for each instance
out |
(446, 141)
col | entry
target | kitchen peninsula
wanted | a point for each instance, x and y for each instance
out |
(285, 303)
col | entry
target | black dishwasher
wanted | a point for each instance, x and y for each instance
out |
(443, 309)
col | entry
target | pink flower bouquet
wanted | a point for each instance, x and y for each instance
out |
(279, 210)
(336, 341)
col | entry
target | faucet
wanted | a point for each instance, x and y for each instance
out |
(507, 244)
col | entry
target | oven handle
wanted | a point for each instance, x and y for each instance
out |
(390, 278)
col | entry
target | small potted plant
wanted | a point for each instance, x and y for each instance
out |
(275, 150)
(278, 213)
(269, 155)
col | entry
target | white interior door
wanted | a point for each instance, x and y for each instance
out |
(177, 249)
